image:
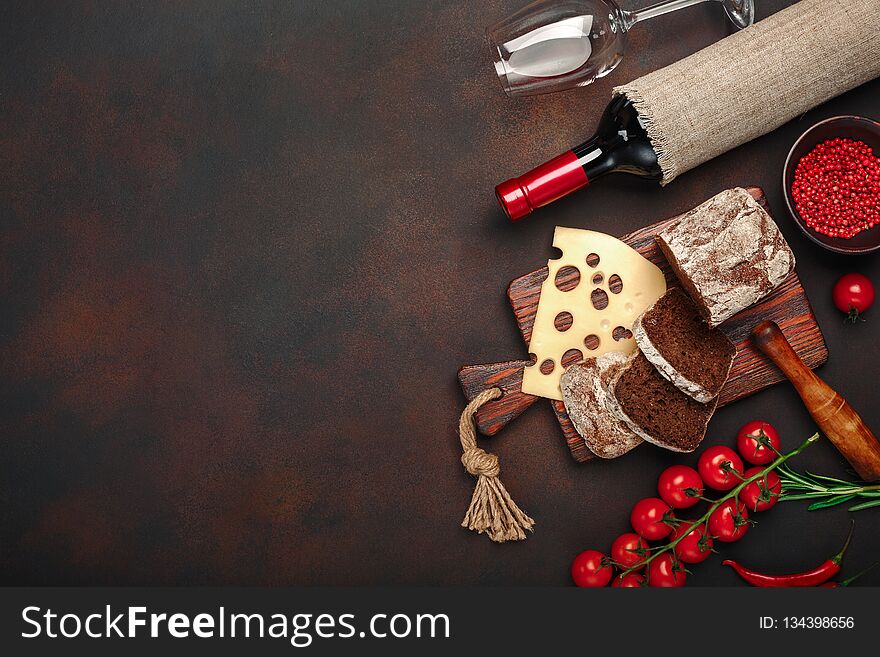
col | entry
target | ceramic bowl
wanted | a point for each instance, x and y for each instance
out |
(850, 127)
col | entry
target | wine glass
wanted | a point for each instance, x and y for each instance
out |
(552, 45)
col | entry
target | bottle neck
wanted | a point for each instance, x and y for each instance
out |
(620, 144)
(592, 156)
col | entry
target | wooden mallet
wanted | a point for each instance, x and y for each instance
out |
(833, 415)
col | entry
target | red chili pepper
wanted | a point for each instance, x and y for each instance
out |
(815, 577)
(847, 582)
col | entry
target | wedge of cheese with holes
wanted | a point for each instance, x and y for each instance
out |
(589, 301)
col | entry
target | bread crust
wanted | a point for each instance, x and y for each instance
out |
(585, 395)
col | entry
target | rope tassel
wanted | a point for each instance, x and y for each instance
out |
(491, 510)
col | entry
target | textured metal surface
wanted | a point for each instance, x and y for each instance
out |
(244, 248)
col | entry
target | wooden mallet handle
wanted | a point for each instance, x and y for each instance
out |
(834, 416)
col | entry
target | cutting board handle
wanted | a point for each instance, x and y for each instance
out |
(493, 416)
(834, 416)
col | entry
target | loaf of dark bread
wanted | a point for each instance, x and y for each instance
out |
(585, 395)
(656, 410)
(685, 350)
(728, 254)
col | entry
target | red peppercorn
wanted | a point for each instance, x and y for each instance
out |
(836, 188)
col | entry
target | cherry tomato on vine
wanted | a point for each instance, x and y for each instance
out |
(696, 546)
(749, 442)
(628, 581)
(648, 516)
(762, 493)
(625, 550)
(590, 568)
(729, 522)
(666, 571)
(680, 486)
(853, 294)
(714, 467)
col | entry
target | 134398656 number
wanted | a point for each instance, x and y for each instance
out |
(818, 622)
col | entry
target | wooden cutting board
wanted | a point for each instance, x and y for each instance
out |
(787, 305)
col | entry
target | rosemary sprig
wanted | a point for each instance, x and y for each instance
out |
(826, 491)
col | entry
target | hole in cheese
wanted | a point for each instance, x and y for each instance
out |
(615, 284)
(567, 278)
(599, 299)
(563, 321)
(571, 357)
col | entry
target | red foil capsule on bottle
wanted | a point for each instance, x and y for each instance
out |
(542, 185)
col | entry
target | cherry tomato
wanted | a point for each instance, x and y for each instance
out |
(666, 571)
(711, 470)
(729, 522)
(853, 294)
(749, 442)
(647, 518)
(590, 568)
(763, 493)
(696, 546)
(624, 550)
(680, 486)
(628, 581)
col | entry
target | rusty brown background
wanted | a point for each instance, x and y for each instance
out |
(244, 248)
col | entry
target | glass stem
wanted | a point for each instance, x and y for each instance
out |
(633, 17)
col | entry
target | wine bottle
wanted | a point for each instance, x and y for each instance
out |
(620, 145)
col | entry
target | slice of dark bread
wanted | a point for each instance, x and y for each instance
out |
(656, 410)
(585, 394)
(685, 350)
